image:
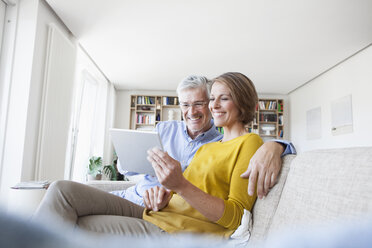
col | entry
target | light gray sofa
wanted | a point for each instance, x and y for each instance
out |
(314, 188)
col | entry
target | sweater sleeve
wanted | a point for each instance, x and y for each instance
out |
(238, 198)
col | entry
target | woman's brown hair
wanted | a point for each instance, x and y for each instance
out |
(243, 94)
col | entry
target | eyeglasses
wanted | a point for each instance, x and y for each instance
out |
(196, 105)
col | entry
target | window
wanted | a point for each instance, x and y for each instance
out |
(90, 117)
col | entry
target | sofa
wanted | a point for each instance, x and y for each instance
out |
(314, 188)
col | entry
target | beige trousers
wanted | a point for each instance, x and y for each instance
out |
(74, 205)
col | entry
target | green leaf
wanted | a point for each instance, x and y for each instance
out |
(95, 166)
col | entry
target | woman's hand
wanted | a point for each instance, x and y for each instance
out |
(156, 198)
(169, 173)
(167, 169)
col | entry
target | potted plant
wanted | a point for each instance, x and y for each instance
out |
(95, 168)
(110, 172)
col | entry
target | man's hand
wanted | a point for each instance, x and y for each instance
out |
(264, 168)
(156, 198)
(167, 169)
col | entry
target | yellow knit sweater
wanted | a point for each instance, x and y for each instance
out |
(215, 169)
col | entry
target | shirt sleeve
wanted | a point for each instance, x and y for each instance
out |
(289, 147)
(238, 198)
(159, 128)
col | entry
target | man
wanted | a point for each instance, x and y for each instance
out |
(181, 140)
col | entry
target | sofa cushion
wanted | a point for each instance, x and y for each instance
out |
(264, 209)
(325, 185)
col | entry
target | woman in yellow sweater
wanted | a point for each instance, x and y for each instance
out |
(210, 196)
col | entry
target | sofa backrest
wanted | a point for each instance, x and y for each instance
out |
(264, 209)
(324, 186)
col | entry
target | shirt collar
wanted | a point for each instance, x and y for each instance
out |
(210, 132)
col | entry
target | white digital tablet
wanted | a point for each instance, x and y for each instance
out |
(131, 148)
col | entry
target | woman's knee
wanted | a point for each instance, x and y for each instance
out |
(61, 186)
(56, 185)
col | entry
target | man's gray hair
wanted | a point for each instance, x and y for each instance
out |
(192, 82)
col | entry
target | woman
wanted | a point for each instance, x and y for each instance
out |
(209, 197)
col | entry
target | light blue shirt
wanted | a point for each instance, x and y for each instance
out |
(180, 146)
(289, 147)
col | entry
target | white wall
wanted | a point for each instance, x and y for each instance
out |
(110, 122)
(123, 104)
(44, 17)
(6, 64)
(353, 76)
(14, 140)
(22, 123)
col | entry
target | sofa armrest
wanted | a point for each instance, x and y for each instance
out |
(110, 185)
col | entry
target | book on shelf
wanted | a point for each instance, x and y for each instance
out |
(167, 100)
(267, 117)
(280, 133)
(145, 100)
(280, 107)
(32, 185)
(280, 120)
(267, 105)
(220, 129)
(145, 119)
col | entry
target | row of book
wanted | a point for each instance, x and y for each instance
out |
(145, 100)
(267, 105)
(220, 129)
(170, 100)
(280, 133)
(145, 119)
(280, 120)
(267, 117)
(280, 107)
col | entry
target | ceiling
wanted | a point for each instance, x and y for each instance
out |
(279, 44)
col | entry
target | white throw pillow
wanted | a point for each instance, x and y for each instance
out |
(242, 234)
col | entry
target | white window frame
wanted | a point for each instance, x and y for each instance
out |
(88, 73)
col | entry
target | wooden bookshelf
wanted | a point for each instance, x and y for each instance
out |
(269, 118)
(146, 111)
